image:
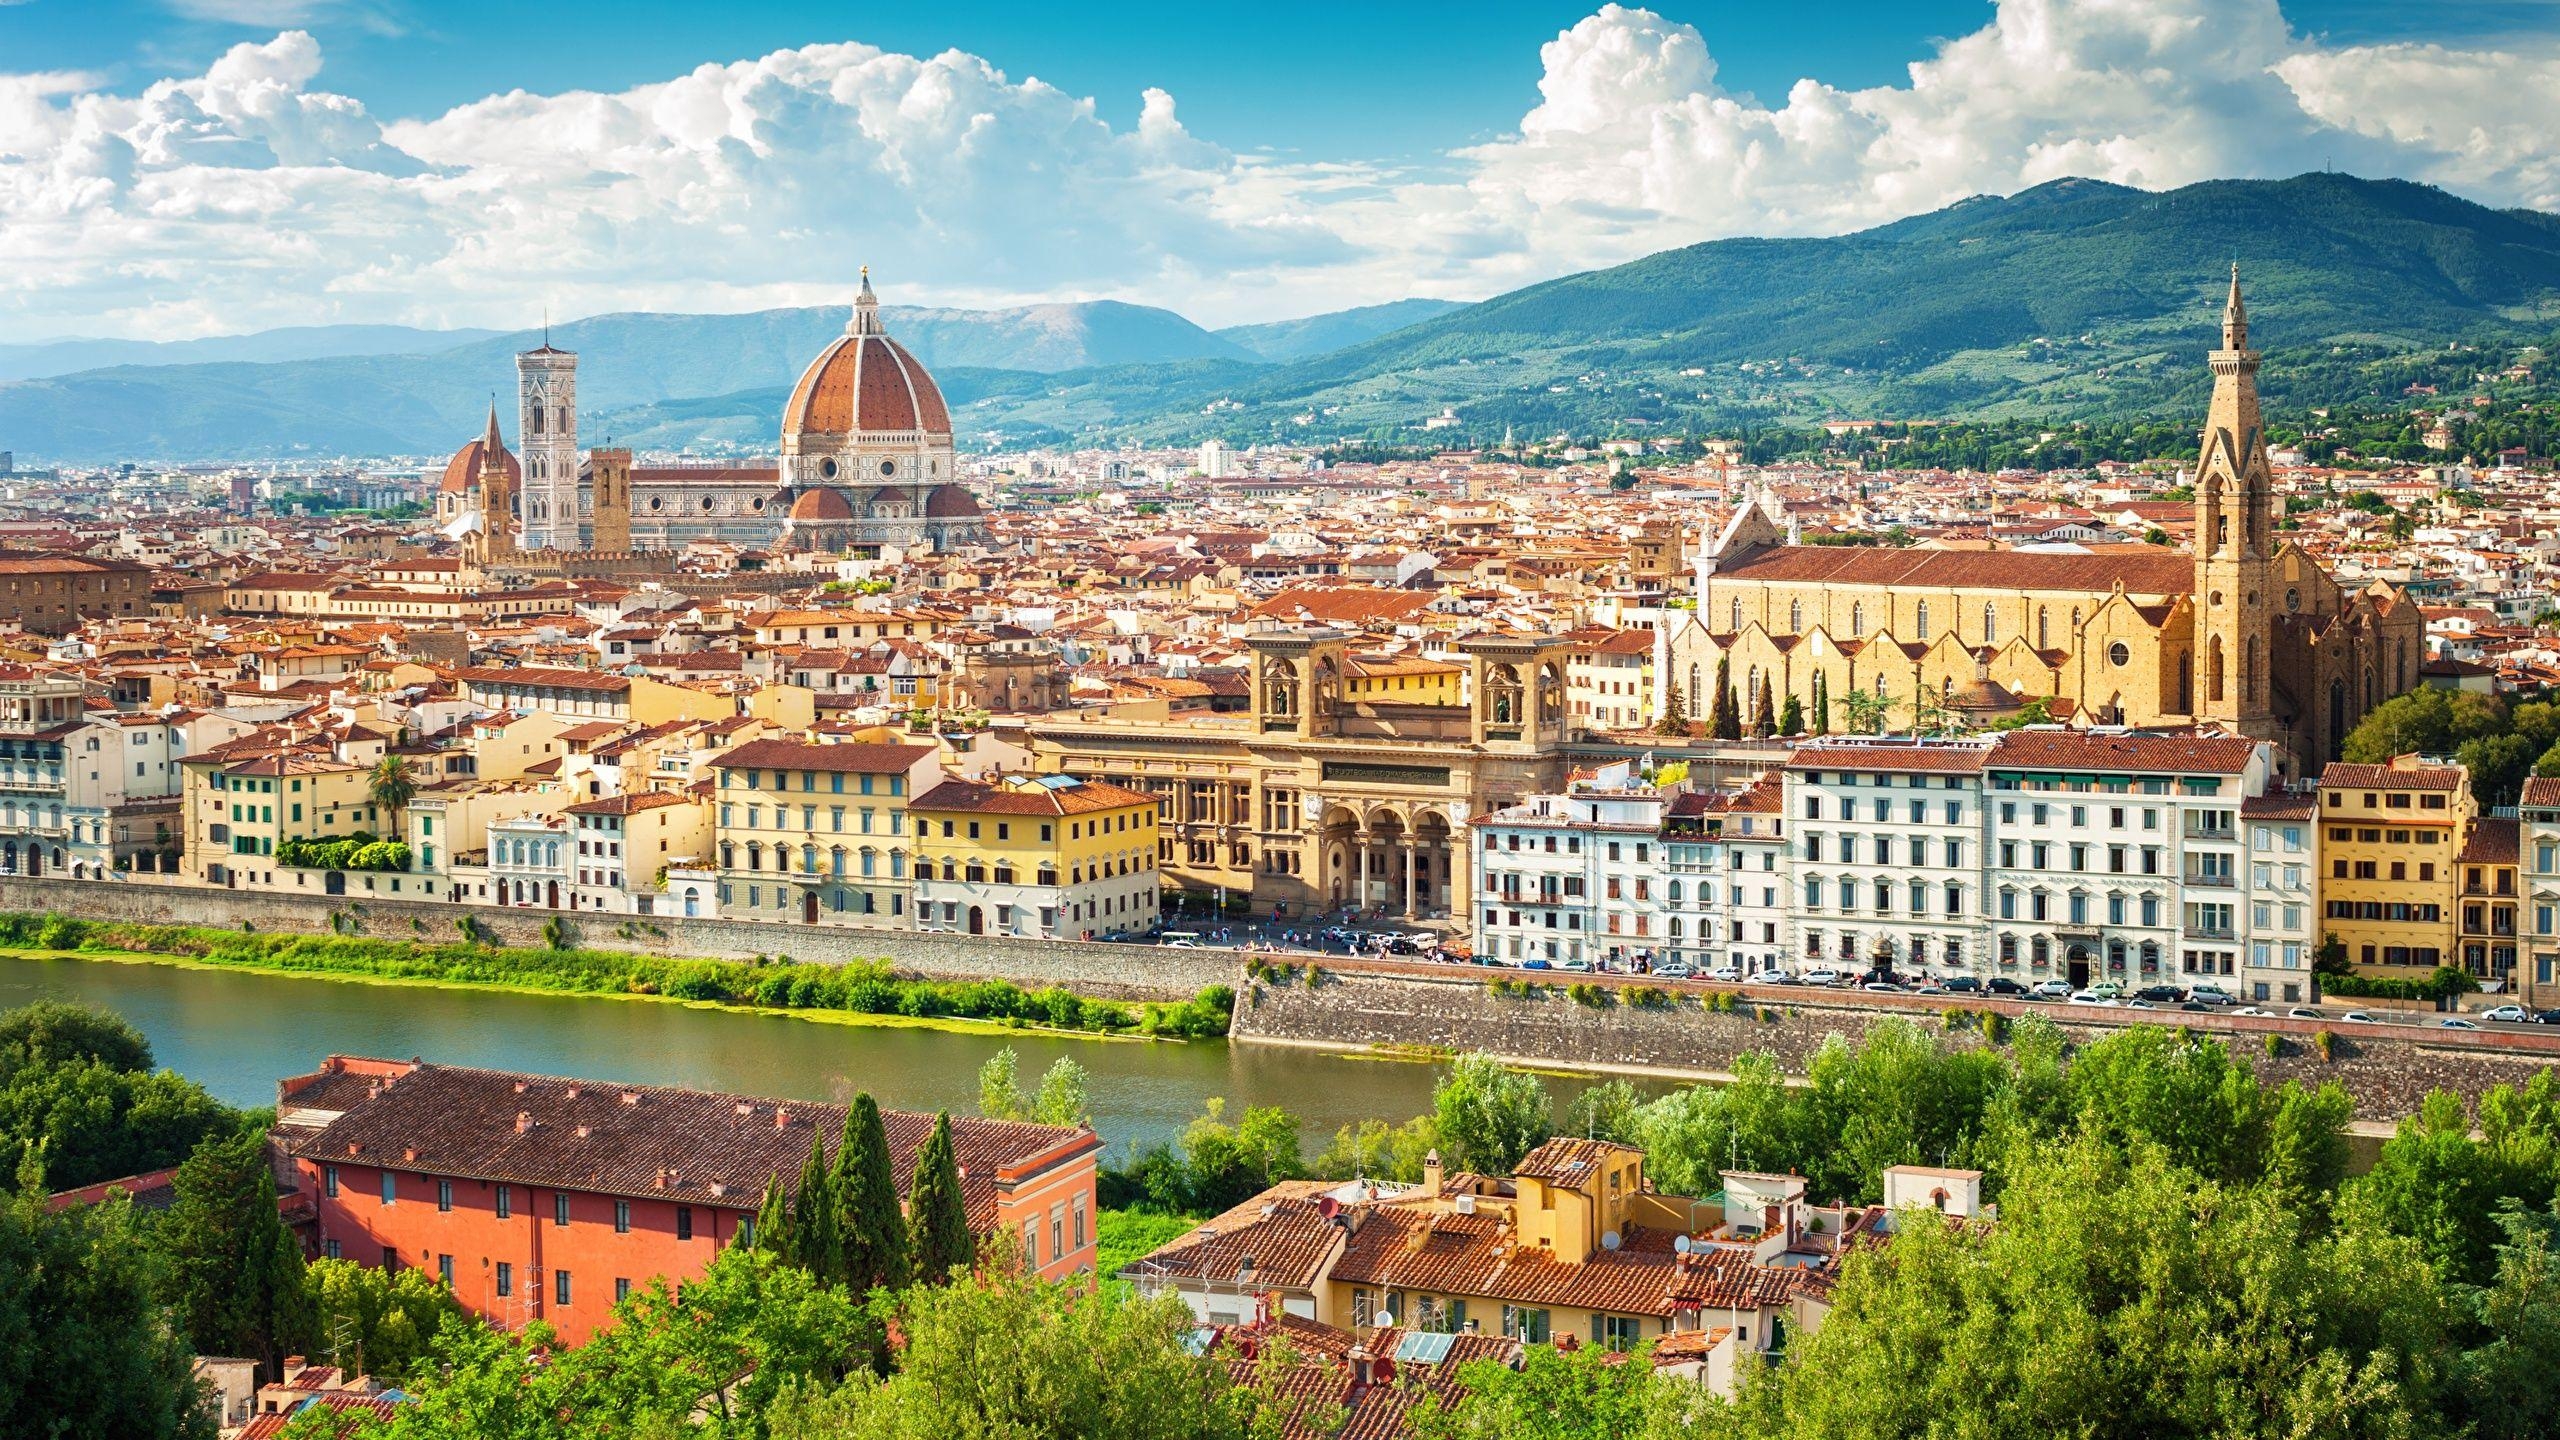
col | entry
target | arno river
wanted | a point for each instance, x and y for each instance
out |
(237, 1033)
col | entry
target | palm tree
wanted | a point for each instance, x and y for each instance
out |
(392, 786)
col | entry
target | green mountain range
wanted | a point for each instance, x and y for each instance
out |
(2074, 299)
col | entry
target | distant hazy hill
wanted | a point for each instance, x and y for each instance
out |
(362, 404)
(2075, 293)
(305, 342)
(1284, 340)
(2072, 298)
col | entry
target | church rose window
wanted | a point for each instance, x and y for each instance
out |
(2119, 654)
(827, 468)
(888, 468)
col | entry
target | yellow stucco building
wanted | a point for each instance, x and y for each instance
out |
(817, 834)
(2246, 634)
(1048, 856)
(2392, 837)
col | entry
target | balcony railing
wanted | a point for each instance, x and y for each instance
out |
(2216, 882)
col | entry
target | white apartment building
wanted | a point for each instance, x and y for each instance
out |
(1758, 899)
(1887, 845)
(2280, 896)
(1576, 876)
(82, 794)
(531, 862)
(1693, 861)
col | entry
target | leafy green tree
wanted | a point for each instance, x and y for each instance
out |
(51, 1032)
(1585, 1393)
(872, 1229)
(98, 1122)
(2119, 1296)
(999, 1356)
(377, 1322)
(1062, 1098)
(231, 1271)
(1000, 1094)
(86, 1351)
(1488, 1115)
(2433, 1184)
(1690, 1136)
(1606, 1111)
(2510, 1381)
(1226, 1165)
(1379, 1150)
(939, 1241)
(1899, 1098)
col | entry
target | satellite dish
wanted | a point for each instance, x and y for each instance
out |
(1386, 1320)
(1681, 1244)
(1611, 1241)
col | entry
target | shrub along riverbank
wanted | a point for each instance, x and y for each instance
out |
(776, 984)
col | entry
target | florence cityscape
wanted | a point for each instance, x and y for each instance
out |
(1553, 721)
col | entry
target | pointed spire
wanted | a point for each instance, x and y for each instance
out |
(489, 447)
(2235, 317)
(866, 309)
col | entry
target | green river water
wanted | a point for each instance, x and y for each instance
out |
(237, 1033)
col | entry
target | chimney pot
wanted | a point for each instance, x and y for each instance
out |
(409, 1152)
(582, 1132)
(572, 1092)
(524, 1121)
(781, 1118)
(630, 1097)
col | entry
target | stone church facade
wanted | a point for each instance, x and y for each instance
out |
(2246, 635)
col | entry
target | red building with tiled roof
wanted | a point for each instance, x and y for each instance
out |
(541, 1198)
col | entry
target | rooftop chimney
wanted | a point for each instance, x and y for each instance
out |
(781, 1118)
(582, 1132)
(524, 1121)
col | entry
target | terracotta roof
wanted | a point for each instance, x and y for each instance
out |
(1951, 759)
(2538, 791)
(1567, 1161)
(2492, 842)
(650, 1142)
(865, 384)
(2386, 777)
(2160, 573)
(550, 678)
(1079, 798)
(2155, 754)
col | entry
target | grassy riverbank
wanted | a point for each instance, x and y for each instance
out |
(863, 992)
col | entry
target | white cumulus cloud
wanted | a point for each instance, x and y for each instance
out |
(253, 195)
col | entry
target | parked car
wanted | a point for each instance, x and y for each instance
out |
(2089, 997)
(1928, 987)
(1777, 977)
(2507, 1014)
(1882, 987)
(2051, 989)
(1578, 967)
(1729, 974)
(2138, 1003)
(2457, 1023)
(1674, 970)
(1536, 965)
(2547, 1017)
(2358, 1017)
(2305, 1012)
(2196, 1005)
(2160, 994)
(1961, 985)
(2213, 995)
(2251, 1010)
(2003, 985)
(2107, 990)
(1822, 975)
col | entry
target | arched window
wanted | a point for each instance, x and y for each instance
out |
(1990, 624)
(2213, 671)
(1795, 617)
(1733, 613)
(1920, 622)
(1857, 619)
(2042, 640)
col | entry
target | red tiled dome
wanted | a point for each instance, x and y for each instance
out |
(865, 384)
(951, 502)
(464, 468)
(821, 505)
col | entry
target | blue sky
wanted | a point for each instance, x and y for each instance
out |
(1315, 77)
(196, 166)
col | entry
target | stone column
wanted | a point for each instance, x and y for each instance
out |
(1412, 863)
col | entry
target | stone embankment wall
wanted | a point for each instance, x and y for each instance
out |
(2387, 1069)
(1133, 972)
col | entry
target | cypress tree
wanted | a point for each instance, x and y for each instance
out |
(232, 1272)
(1727, 715)
(937, 1215)
(815, 1244)
(773, 1222)
(1675, 712)
(1821, 705)
(873, 1232)
(1764, 712)
(1790, 715)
